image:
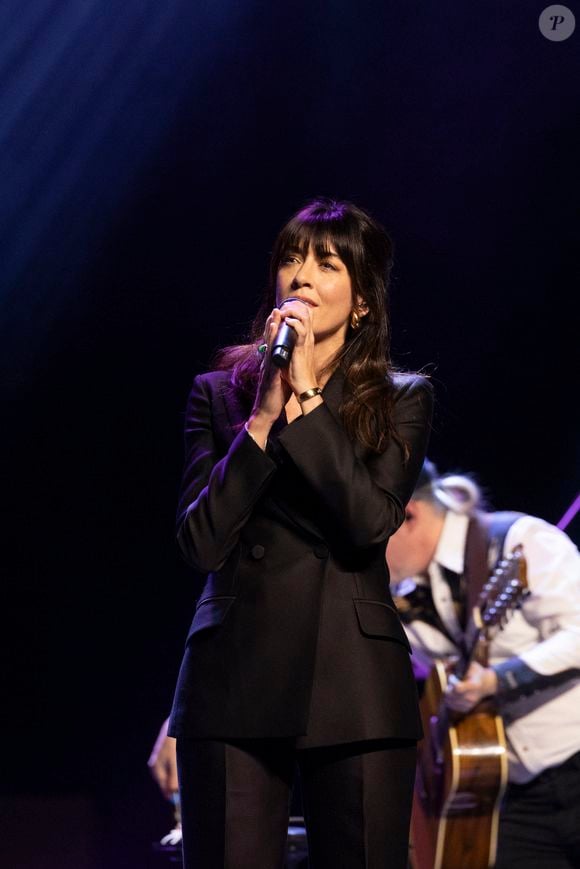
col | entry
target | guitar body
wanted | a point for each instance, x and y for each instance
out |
(461, 777)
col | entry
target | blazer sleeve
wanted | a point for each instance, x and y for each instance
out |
(218, 492)
(366, 498)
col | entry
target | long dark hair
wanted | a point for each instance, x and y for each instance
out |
(366, 249)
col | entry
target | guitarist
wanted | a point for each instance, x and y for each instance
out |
(439, 560)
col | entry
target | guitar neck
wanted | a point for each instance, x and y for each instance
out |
(477, 650)
(502, 593)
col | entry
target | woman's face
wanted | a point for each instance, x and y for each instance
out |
(322, 283)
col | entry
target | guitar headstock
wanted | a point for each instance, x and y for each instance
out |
(504, 591)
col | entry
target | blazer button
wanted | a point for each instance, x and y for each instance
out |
(320, 550)
(257, 551)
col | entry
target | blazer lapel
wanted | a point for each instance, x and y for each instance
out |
(333, 394)
(283, 498)
(230, 412)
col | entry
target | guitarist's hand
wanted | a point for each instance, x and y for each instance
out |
(479, 682)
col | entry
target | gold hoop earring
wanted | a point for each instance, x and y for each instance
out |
(354, 320)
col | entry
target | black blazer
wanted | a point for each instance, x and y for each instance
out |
(295, 633)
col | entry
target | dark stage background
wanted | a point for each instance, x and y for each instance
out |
(149, 153)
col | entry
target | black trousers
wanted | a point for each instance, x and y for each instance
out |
(235, 803)
(540, 821)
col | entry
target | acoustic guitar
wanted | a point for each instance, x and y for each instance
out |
(462, 762)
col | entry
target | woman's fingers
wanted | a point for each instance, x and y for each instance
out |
(271, 327)
(299, 327)
(297, 314)
(296, 310)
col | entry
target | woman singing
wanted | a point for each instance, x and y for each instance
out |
(295, 478)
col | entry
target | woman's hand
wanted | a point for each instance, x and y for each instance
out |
(272, 393)
(277, 385)
(300, 374)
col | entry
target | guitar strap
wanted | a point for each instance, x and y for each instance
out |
(486, 535)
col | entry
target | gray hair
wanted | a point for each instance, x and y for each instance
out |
(456, 492)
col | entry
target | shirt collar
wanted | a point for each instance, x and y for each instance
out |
(450, 552)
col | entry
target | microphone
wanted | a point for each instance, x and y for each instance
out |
(283, 345)
(284, 341)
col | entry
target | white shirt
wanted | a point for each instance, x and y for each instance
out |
(542, 729)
